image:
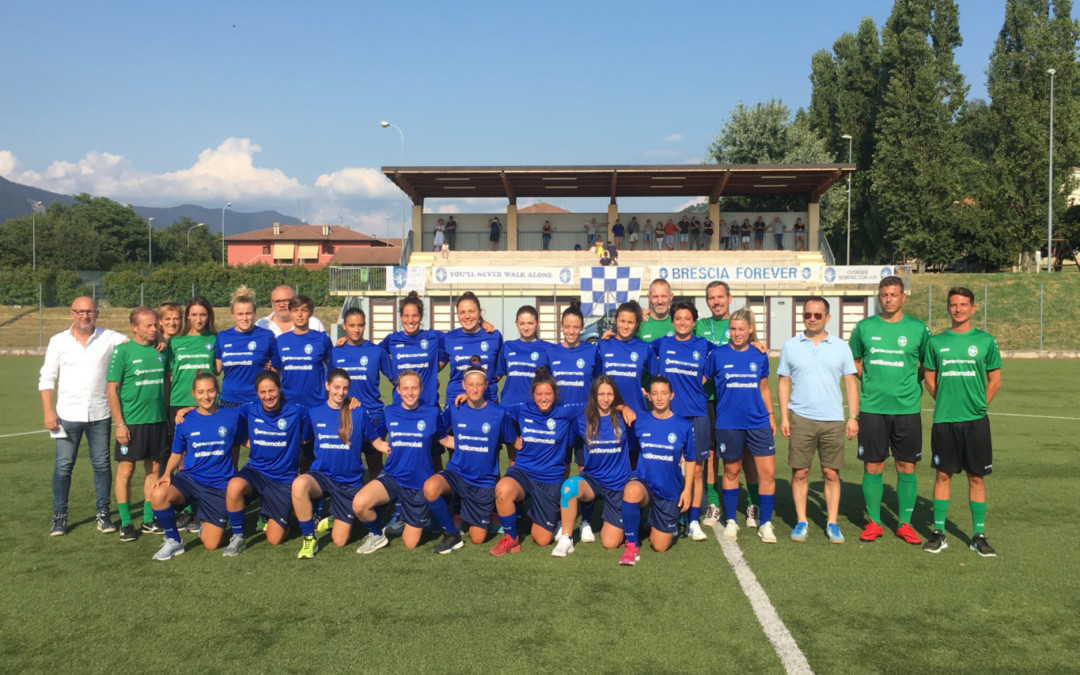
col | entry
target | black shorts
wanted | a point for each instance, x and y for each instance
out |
(877, 433)
(148, 441)
(962, 446)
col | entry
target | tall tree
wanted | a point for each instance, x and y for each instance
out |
(1037, 35)
(919, 157)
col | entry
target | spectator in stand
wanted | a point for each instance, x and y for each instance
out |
(606, 260)
(778, 229)
(707, 233)
(760, 226)
(618, 231)
(647, 235)
(684, 232)
(669, 235)
(733, 235)
(496, 233)
(613, 251)
(632, 230)
(546, 235)
(800, 234)
(440, 236)
(695, 234)
(744, 233)
(451, 232)
(597, 248)
(590, 230)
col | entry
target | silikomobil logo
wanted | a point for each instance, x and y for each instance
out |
(281, 424)
(485, 428)
(551, 425)
(973, 350)
(671, 437)
(421, 425)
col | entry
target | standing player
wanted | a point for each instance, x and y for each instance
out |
(519, 359)
(888, 349)
(657, 323)
(714, 328)
(365, 362)
(302, 355)
(478, 429)
(665, 441)
(136, 391)
(607, 465)
(628, 361)
(682, 361)
(745, 421)
(466, 341)
(338, 470)
(573, 364)
(188, 353)
(242, 352)
(79, 357)
(275, 431)
(963, 373)
(205, 441)
(812, 412)
(415, 349)
(412, 430)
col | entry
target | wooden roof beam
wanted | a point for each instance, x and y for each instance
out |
(508, 188)
(407, 188)
(719, 188)
(614, 184)
(815, 196)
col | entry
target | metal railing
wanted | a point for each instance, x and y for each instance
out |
(354, 279)
(406, 249)
(825, 249)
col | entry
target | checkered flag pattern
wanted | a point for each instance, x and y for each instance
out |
(605, 288)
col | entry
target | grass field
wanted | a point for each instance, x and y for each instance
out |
(87, 603)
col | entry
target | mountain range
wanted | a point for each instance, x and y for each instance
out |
(15, 198)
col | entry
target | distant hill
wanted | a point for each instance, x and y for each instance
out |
(14, 203)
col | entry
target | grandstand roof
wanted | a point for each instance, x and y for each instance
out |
(680, 180)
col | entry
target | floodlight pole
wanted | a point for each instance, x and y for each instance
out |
(35, 206)
(1050, 197)
(384, 124)
(848, 258)
(227, 205)
(150, 241)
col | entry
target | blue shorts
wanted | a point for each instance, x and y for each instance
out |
(276, 498)
(612, 512)
(663, 513)
(477, 503)
(730, 443)
(543, 498)
(413, 505)
(210, 502)
(339, 494)
(702, 436)
(575, 452)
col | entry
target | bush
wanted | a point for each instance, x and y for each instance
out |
(216, 284)
(19, 286)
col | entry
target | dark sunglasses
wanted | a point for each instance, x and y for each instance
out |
(816, 316)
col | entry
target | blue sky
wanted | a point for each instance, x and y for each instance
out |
(278, 104)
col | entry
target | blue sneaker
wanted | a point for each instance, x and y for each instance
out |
(833, 530)
(798, 533)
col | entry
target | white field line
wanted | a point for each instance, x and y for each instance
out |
(790, 655)
(25, 433)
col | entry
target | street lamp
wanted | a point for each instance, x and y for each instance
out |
(35, 208)
(384, 124)
(1050, 197)
(227, 205)
(848, 138)
(150, 241)
(189, 232)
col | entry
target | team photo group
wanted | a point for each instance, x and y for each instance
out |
(656, 424)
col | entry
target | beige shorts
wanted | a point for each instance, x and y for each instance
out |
(809, 436)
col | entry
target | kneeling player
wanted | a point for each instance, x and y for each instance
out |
(479, 428)
(412, 431)
(338, 469)
(665, 440)
(204, 441)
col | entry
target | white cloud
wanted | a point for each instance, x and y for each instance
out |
(9, 164)
(357, 182)
(689, 203)
(673, 138)
(448, 208)
(360, 220)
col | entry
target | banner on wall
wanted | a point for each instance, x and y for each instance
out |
(605, 288)
(521, 276)
(738, 274)
(856, 274)
(405, 279)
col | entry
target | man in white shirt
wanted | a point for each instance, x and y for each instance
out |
(280, 321)
(79, 357)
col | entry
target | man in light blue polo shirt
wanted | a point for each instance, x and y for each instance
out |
(812, 411)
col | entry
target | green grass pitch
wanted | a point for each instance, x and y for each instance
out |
(87, 603)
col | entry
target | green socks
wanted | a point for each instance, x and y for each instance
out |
(147, 511)
(907, 490)
(711, 494)
(187, 509)
(125, 513)
(872, 488)
(978, 516)
(941, 508)
(752, 495)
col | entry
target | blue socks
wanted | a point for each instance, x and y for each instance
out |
(587, 509)
(167, 518)
(767, 502)
(373, 526)
(695, 513)
(731, 502)
(509, 525)
(236, 521)
(307, 527)
(631, 520)
(441, 511)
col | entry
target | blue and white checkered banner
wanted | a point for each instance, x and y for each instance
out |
(605, 288)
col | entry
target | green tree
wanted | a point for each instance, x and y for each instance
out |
(175, 244)
(1037, 35)
(916, 176)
